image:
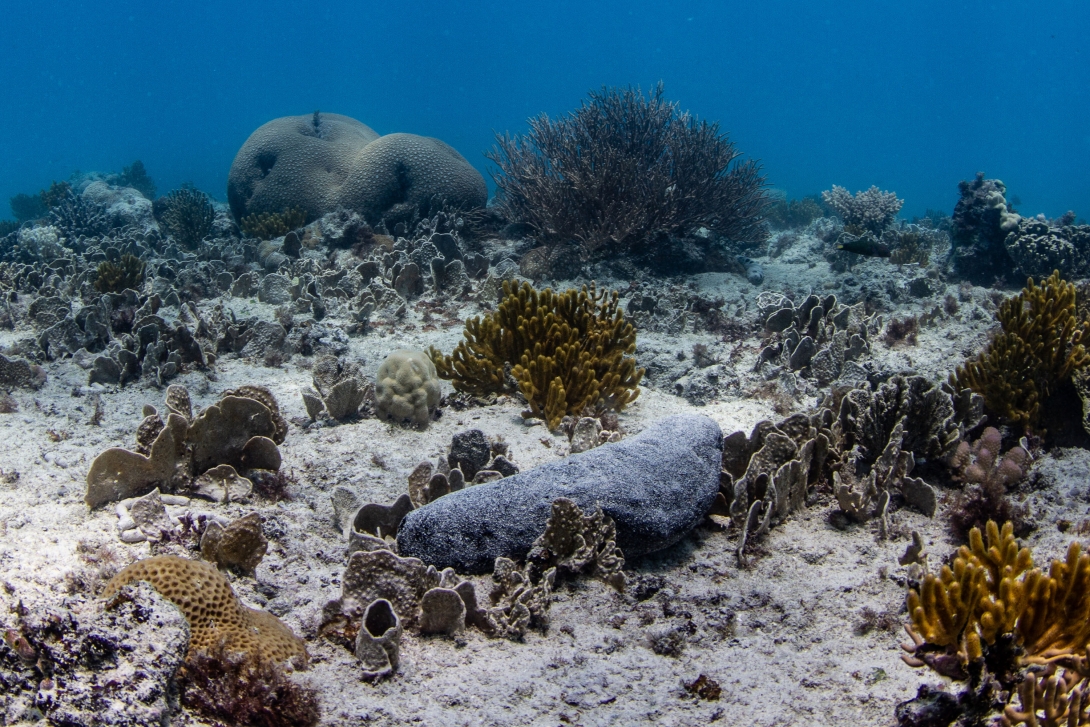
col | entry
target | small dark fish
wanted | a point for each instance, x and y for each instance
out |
(865, 246)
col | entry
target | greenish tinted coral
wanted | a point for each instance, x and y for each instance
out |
(136, 176)
(27, 207)
(566, 352)
(267, 225)
(188, 216)
(113, 277)
(1039, 348)
(784, 214)
(57, 193)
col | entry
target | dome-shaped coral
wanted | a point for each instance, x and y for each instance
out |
(407, 387)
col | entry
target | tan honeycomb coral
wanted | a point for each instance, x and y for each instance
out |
(214, 613)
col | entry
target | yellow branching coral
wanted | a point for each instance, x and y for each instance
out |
(1054, 698)
(566, 352)
(1040, 347)
(267, 225)
(991, 593)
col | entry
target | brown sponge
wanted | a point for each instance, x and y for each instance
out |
(213, 611)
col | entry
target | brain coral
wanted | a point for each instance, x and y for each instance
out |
(321, 162)
(215, 615)
(407, 387)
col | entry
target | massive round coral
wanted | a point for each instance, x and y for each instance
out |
(320, 162)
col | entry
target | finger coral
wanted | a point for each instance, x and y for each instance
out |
(992, 613)
(1039, 348)
(565, 352)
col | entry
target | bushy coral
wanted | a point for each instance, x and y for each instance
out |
(187, 216)
(1038, 349)
(991, 615)
(625, 168)
(873, 210)
(136, 176)
(113, 277)
(246, 691)
(27, 207)
(565, 352)
(267, 225)
(979, 227)
(784, 214)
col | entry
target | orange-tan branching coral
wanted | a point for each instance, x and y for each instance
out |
(993, 594)
(566, 352)
(1039, 348)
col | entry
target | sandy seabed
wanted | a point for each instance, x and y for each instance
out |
(784, 637)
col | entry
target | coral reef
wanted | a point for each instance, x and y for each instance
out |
(577, 543)
(1038, 349)
(785, 214)
(26, 207)
(113, 277)
(1039, 247)
(267, 225)
(992, 617)
(187, 216)
(56, 657)
(873, 210)
(321, 162)
(645, 173)
(407, 387)
(566, 352)
(136, 176)
(240, 545)
(19, 373)
(981, 222)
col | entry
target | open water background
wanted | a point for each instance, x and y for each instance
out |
(910, 95)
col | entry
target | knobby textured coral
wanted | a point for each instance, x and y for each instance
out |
(987, 475)
(992, 615)
(873, 210)
(187, 216)
(625, 168)
(565, 352)
(1038, 349)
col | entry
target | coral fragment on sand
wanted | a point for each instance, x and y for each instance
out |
(216, 617)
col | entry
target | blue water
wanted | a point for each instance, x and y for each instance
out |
(911, 96)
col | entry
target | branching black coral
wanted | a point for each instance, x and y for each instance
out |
(1039, 347)
(113, 277)
(624, 168)
(566, 352)
(188, 216)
